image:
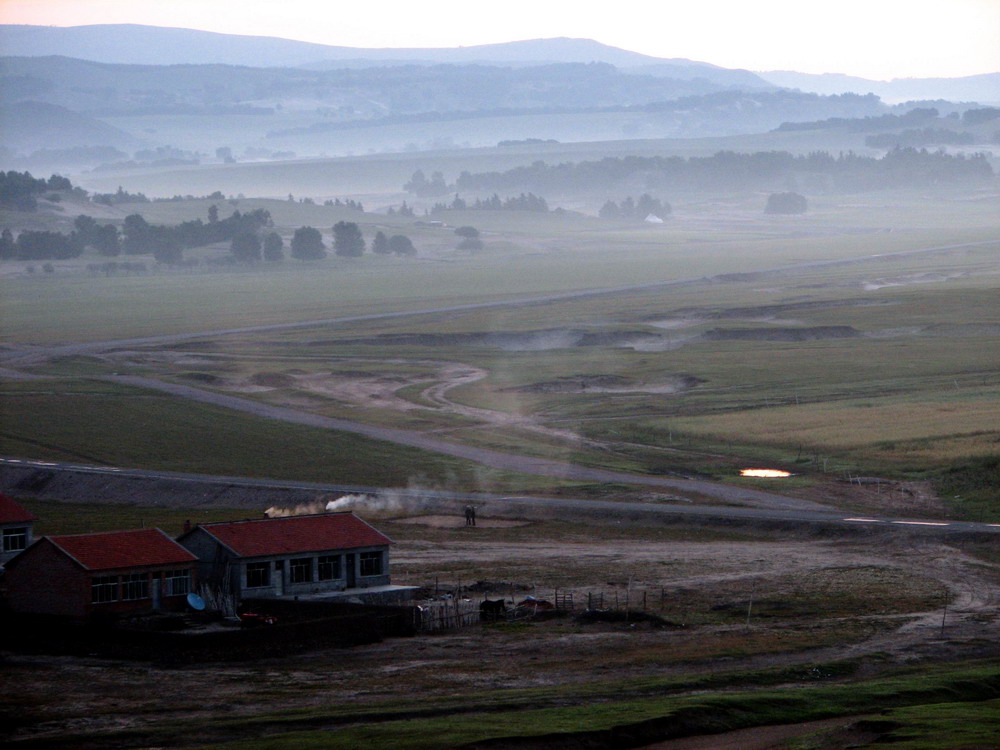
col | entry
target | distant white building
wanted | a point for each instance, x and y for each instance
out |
(653, 219)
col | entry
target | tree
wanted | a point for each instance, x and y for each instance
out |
(421, 186)
(609, 210)
(273, 247)
(786, 203)
(105, 240)
(347, 239)
(245, 247)
(213, 214)
(380, 245)
(307, 244)
(401, 245)
(8, 249)
(136, 231)
(85, 226)
(470, 232)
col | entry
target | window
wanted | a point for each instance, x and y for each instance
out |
(103, 589)
(329, 567)
(178, 582)
(300, 570)
(15, 540)
(371, 563)
(135, 586)
(258, 575)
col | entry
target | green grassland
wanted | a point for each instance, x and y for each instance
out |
(81, 420)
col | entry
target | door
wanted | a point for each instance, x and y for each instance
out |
(352, 577)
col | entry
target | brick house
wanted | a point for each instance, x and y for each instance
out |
(16, 526)
(112, 573)
(299, 556)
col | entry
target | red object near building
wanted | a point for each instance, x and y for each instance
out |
(114, 573)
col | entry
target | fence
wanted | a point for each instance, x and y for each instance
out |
(444, 614)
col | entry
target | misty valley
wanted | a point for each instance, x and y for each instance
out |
(693, 369)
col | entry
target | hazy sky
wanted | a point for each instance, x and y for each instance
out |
(878, 39)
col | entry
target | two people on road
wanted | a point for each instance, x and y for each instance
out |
(470, 515)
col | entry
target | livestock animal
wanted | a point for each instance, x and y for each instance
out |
(491, 611)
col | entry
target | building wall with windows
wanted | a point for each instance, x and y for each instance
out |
(290, 556)
(50, 579)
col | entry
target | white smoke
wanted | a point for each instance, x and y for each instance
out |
(304, 509)
(350, 502)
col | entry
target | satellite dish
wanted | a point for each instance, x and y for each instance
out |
(195, 602)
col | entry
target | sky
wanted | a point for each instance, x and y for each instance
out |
(876, 39)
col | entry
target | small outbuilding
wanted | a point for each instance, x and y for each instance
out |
(324, 555)
(16, 525)
(112, 573)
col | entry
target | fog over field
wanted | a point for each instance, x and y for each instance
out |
(578, 287)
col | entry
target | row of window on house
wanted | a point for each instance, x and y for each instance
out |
(311, 569)
(135, 586)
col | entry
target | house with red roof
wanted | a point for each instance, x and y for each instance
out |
(325, 555)
(16, 526)
(111, 573)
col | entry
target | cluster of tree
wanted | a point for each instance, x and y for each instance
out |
(977, 116)
(251, 247)
(167, 243)
(917, 116)
(348, 242)
(102, 237)
(640, 209)
(352, 204)
(731, 170)
(120, 196)
(924, 137)
(420, 186)
(397, 244)
(137, 237)
(20, 191)
(216, 196)
(786, 203)
(403, 210)
(38, 245)
(522, 202)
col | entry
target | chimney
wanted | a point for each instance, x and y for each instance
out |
(187, 526)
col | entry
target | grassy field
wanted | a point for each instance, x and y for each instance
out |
(879, 366)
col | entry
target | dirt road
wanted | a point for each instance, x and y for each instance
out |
(494, 459)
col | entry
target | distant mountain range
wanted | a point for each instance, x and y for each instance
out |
(153, 45)
(984, 89)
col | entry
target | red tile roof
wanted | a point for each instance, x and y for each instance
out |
(123, 549)
(291, 534)
(11, 512)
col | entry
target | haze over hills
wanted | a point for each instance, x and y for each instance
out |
(183, 94)
(984, 89)
(151, 45)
